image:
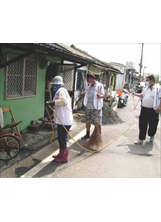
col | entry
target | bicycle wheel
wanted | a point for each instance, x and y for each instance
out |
(9, 147)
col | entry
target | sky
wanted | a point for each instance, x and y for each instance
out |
(121, 53)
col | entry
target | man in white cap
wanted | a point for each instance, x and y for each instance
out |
(63, 117)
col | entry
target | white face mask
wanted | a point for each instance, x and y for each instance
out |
(146, 83)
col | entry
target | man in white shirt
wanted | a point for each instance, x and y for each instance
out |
(150, 108)
(93, 101)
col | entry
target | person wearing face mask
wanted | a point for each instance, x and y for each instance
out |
(150, 108)
(146, 83)
(63, 117)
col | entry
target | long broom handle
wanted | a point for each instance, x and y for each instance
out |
(97, 108)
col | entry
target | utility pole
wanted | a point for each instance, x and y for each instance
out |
(144, 71)
(141, 59)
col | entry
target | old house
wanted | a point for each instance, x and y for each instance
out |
(120, 78)
(24, 68)
(104, 72)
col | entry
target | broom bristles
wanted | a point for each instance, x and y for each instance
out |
(95, 140)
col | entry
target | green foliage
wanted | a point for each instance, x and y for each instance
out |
(157, 80)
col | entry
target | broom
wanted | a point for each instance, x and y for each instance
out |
(95, 140)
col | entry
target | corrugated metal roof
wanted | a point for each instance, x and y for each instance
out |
(108, 69)
(66, 50)
(53, 46)
(76, 52)
(54, 49)
(97, 61)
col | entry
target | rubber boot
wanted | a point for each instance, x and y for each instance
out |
(63, 158)
(56, 155)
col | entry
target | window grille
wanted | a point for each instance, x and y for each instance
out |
(67, 72)
(80, 83)
(21, 78)
(79, 80)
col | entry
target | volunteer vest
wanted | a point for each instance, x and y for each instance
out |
(96, 102)
(63, 112)
(156, 101)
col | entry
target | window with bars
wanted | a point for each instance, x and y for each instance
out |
(80, 83)
(67, 72)
(21, 78)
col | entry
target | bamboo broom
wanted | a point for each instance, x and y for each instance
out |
(95, 140)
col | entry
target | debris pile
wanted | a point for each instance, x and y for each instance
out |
(109, 116)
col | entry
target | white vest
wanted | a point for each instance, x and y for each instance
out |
(63, 112)
(156, 96)
(96, 102)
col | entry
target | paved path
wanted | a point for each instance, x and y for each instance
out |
(120, 158)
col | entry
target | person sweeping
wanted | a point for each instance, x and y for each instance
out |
(93, 101)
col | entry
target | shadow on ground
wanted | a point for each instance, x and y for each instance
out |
(140, 149)
(22, 170)
(54, 167)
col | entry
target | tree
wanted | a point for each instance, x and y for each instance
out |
(157, 80)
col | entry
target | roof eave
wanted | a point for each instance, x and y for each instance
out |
(48, 49)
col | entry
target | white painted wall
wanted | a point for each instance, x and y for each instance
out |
(119, 81)
(120, 77)
(118, 66)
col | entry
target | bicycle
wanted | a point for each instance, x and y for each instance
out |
(9, 143)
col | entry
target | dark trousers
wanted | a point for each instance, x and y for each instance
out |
(62, 136)
(148, 119)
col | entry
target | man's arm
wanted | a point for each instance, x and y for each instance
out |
(61, 101)
(80, 98)
(137, 94)
(101, 92)
(158, 109)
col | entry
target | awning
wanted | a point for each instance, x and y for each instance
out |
(108, 69)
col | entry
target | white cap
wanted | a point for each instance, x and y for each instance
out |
(58, 80)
